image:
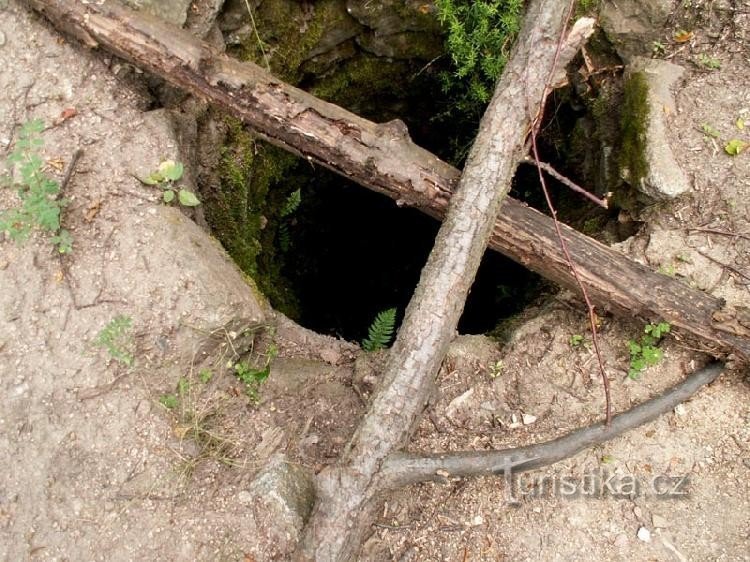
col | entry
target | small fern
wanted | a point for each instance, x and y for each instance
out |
(381, 331)
(291, 203)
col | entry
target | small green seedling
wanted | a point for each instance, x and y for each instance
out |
(735, 146)
(709, 62)
(645, 353)
(576, 340)
(496, 369)
(253, 377)
(169, 401)
(164, 177)
(116, 338)
(205, 376)
(381, 331)
(710, 131)
(41, 205)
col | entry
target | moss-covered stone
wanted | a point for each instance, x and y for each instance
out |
(634, 123)
(245, 216)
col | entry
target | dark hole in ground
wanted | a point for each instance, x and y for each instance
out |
(355, 253)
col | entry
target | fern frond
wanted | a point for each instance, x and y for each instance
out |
(381, 330)
(291, 203)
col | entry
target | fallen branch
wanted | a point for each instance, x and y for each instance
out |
(383, 158)
(348, 492)
(403, 469)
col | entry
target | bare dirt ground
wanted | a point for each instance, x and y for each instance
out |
(98, 468)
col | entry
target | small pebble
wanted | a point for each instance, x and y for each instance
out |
(644, 534)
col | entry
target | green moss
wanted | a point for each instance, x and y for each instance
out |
(363, 81)
(633, 123)
(288, 34)
(587, 8)
(244, 212)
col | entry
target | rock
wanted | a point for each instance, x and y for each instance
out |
(283, 493)
(644, 534)
(173, 11)
(650, 163)
(633, 25)
(395, 16)
(405, 45)
(659, 522)
(456, 407)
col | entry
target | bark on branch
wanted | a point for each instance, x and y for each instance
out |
(383, 158)
(403, 469)
(348, 492)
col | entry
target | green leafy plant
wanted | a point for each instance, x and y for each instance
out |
(576, 340)
(290, 206)
(658, 49)
(480, 34)
(381, 330)
(169, 401)
(710, 131)
(496, 369)
(41, 205)
(292, 203)
(205, 376)
(645, 353)
(164, 177)
(253, 377)
(709, 62)
(116, 338)
(735, 146)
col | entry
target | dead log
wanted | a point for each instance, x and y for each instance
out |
(383, 158)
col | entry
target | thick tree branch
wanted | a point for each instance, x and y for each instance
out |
(404, 469)
(383, 158)
(348, 492)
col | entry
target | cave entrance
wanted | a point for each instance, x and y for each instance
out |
(354, 253)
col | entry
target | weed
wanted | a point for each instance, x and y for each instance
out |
(41, 206)
(645, 352)
(381, 331)
(576, 340)
(669, 270)
(164, 177)
(205, 376)
(290, 206)
(479, 36)
(115, 337)
(711, 63)
(658, 49)
(496, 369)
(169, 401)
(253, 377)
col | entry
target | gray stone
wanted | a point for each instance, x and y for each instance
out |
(173, 11)
(664, 178)
(633, 25)
(403, 45)
(284, 492)
(395, 16)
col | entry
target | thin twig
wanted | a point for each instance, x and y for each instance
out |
(563, 244)
(720, 232)
(567, 182)
(71, 167)
(257, 36)
(724, 265)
